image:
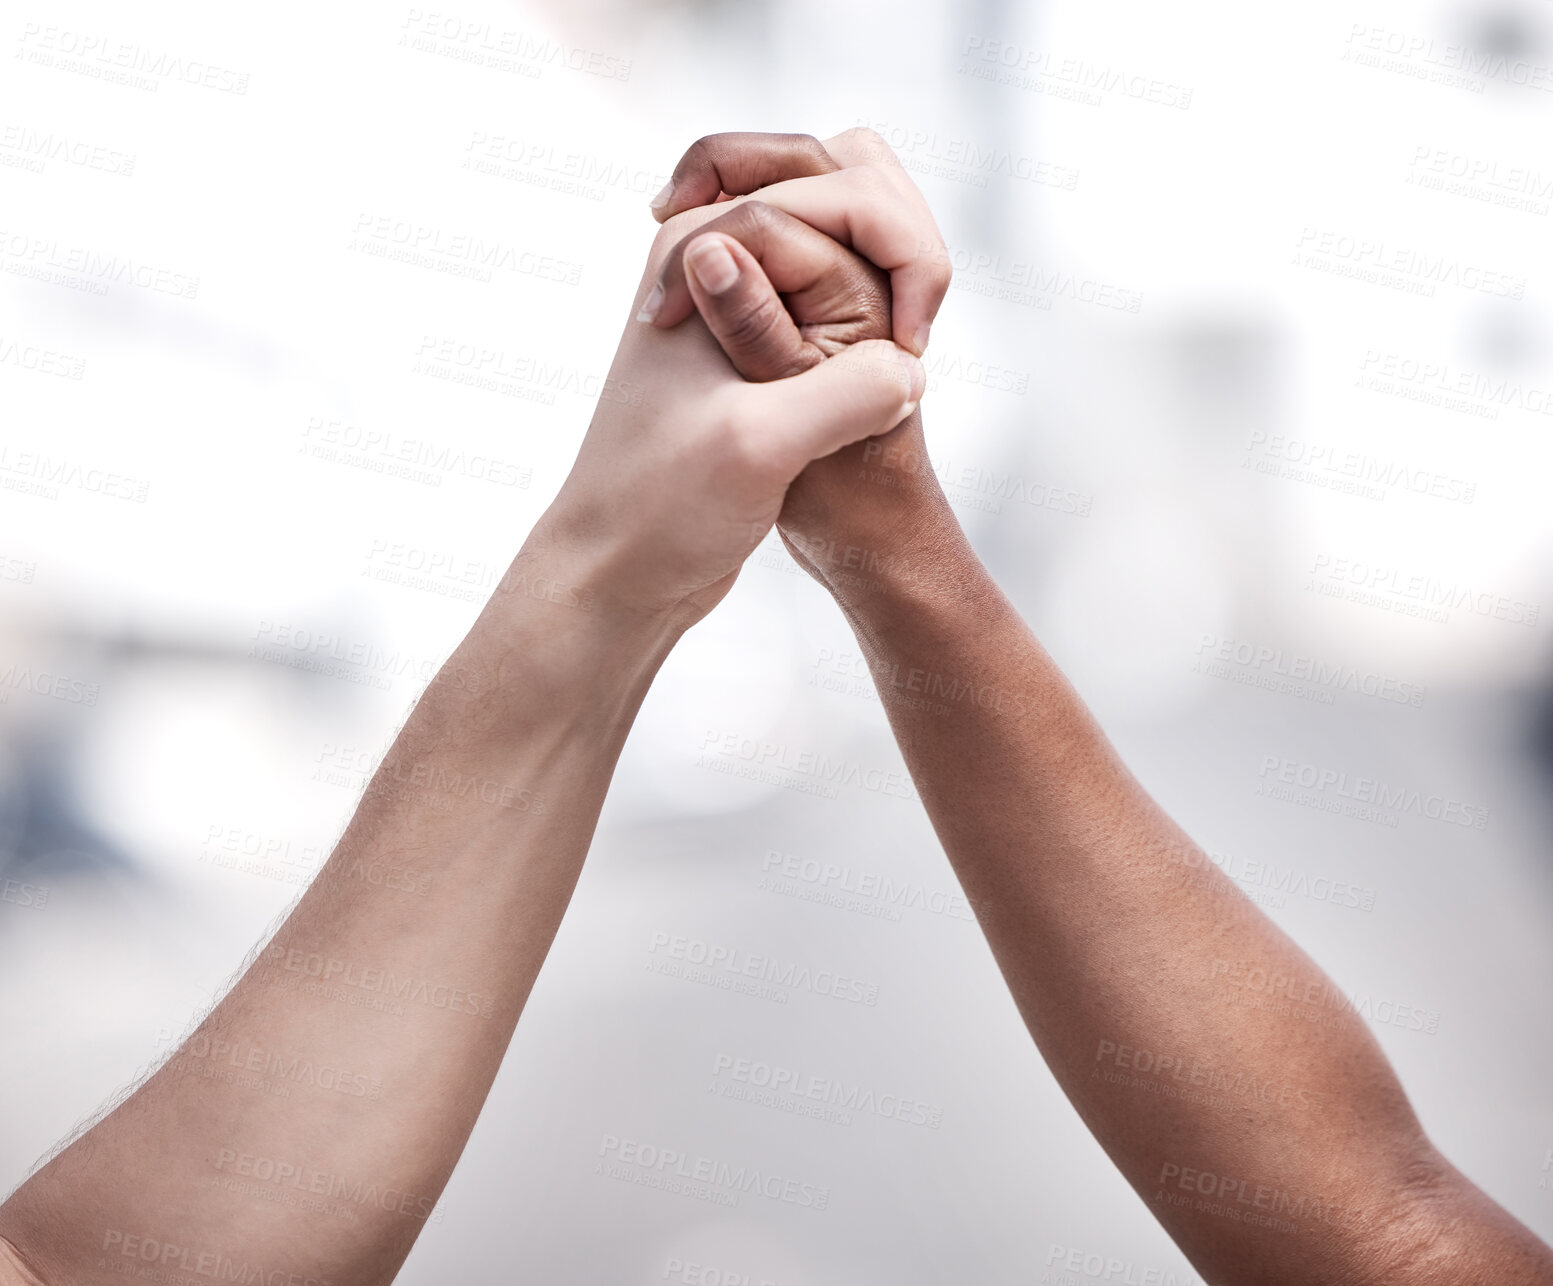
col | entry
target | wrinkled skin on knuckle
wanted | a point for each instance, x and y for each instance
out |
(867, 145)
(753, 213)
(699, 155)
(873, 187)
(812, 146)
(848, 308)
(748, 323)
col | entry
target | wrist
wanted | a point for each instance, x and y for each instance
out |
(554, 643)
(910, 551)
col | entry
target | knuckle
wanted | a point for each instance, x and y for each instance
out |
(809, 145)
(748, 323)
(760, 215)
(869, 143)
(872, 184)
(941, 269)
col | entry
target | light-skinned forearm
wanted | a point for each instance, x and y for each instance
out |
(1215, 1063)
(405, 989)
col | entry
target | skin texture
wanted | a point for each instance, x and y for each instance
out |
(488, 798)
(1274, 1143)
(820, 523)
(843, 187)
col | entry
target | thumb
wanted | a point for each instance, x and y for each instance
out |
(864, 390)
(743, 311)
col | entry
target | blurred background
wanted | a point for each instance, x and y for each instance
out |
(1243, 392)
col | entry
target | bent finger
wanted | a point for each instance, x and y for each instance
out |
(735, 164)
(742, 309)
(828, 289)
(859, 208)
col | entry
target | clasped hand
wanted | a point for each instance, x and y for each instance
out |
(775, 335)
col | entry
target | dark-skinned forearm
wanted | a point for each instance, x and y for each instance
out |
(1272, 1140)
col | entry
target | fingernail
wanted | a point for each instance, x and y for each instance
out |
(651, 304)
(663, 198)
(919, 340)
(713, 265)
(918, 376)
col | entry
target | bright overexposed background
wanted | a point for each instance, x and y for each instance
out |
(1327, 242)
